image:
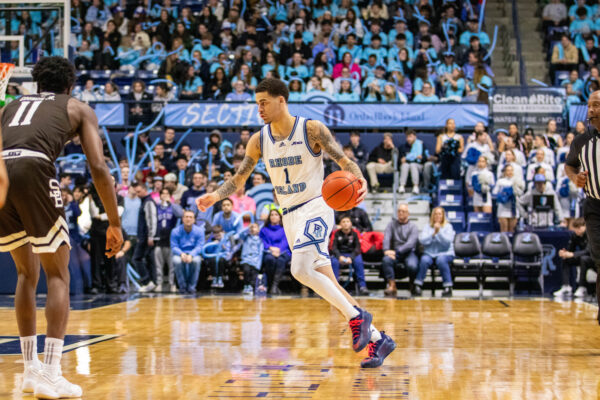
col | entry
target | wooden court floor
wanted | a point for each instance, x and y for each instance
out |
(291, 348)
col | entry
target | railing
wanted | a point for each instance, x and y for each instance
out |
(522, 70)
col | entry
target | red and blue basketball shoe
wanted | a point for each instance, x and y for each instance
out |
(361, 329)
(378, 351)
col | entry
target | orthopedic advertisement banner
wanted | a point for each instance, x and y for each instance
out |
(335, 115)
(533, 106)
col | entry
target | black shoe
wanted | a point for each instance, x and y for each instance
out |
(447, 292)
(378, 351)
(363, 291)
(417, 291)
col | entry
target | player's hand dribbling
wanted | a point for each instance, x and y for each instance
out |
(581, 179)
(114, 240)
(362, 192)
(205, 201)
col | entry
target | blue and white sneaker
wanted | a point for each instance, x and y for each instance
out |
(378, 351)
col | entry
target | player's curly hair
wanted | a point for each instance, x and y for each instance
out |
(54, 74)
(274, 87)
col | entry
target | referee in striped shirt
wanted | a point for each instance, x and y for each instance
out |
(583, 168)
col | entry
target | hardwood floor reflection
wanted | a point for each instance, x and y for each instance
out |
(230, 347)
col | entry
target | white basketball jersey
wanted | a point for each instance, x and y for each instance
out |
(295, 170)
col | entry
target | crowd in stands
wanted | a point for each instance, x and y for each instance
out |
(571, 36)
(375, 51)
(175, 247)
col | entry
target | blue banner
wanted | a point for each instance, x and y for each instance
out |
(577, 112)
(336, 115)
(110, 114)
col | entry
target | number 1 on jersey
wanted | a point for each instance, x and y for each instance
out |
(16, 121)
(287, 176)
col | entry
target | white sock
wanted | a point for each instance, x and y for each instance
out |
(302, 269)
(29, 350)
(375, 335)
(52, 355)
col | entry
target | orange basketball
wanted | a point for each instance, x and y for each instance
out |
(340, 190)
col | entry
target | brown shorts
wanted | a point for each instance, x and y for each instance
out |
(34, 211)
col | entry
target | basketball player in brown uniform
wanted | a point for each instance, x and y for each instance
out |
(32, 222)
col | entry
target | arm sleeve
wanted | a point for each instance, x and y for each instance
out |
(151, 218)
(175, 243)
(177, 210)
(426, 236)
(199, 244)
(446, 235)
(387, 237)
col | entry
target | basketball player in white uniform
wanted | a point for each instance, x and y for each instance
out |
(292, 149)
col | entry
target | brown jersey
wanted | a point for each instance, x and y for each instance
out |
(37, 122)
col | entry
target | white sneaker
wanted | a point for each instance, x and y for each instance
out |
(401, 189)
(30, 378)
(173, 289)
(215, 282)
(158, 289)
(248, 290)
(415, 189)
(55, 388)
(581, 292)
(220, 283)
(148, 288)
(565, 290)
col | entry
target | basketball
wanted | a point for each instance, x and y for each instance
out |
(340, 190)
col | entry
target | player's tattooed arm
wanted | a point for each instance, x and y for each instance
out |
(238, 180)
(319, 134)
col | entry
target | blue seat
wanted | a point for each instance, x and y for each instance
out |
(480, 222)
(451, 202)
(100, 76)
(450, 186)
(457, 219)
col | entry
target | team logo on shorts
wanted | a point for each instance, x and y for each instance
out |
(316, 231)
(55, 193)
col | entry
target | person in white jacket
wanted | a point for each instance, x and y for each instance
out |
(437, 239)
(507, 189)
(509, 158)
(479, 184)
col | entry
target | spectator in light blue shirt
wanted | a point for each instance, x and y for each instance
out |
(577, 84)
(454, 85)
(271, 65)
(186, 246)
(296, 89)
(376, 49)
(375, 30)
(278, 11)
(574, 7)
(427, 95)
(378, 78)
(437, 239)
(400, 27)
(97, 14)
(209, 51)
(239, 93)
(346, 93)
(307, 36)
(473, 26)
(297, 68)
(582, 25)
(351, 47)
(227, 218)
(192, 86)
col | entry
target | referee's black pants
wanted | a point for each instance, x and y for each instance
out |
(591, 214)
